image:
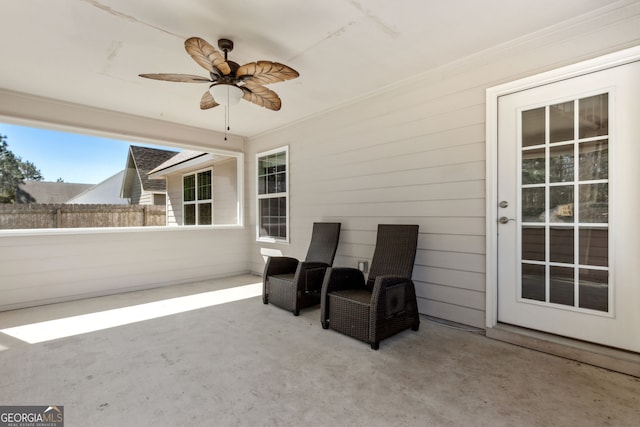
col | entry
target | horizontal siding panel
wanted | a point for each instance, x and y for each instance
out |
(447, 208)
(393, 166)
(438, 174)
(453, 243)
(452, 260)
(451, 295)
(340, 154)
(448, 277)
(426, 192)
(368, 136)
(451, 312)
(469, 226)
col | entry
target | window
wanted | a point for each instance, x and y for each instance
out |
(273, 194)
(68, 181)
(197, 197)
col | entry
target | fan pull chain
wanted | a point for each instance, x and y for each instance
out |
(227, 121)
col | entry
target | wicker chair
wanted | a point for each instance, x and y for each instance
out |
(383, 305)
(293, 285)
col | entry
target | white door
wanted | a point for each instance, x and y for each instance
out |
(569, 207)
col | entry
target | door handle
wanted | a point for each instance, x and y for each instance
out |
(504, 220)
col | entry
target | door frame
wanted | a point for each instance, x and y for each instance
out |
(492, 94)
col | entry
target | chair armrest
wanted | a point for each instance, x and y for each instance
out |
(309, 265)
(276, 265)
(385, 281)
(309, 276)
(280, 265)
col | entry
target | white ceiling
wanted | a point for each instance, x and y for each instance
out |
(91, 51)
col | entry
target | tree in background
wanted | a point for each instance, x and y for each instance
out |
(14, 171)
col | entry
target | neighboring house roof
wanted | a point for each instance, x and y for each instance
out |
(140, 161)
(178, 159)
(107, 192)
(48, 192)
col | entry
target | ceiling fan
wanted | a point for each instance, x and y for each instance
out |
(229, 81)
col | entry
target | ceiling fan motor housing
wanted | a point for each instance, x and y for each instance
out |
(225, 45)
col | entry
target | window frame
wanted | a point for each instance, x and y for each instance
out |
(271, 239)
(68, 117)
(197, 202)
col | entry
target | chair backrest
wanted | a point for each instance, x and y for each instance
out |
(324, 242)
(395, 251)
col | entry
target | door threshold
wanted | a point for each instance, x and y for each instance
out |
(625, 362)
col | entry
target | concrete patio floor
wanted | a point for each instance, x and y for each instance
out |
(215, 357)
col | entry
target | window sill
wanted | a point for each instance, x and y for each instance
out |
(272, 240)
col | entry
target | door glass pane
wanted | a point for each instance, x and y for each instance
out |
(594, 203)
(561, 163)
(561, 245)
(533, 127)
(533, 165)
(594, 289)
(561, 203)
(533, 206)
(594, 246)
(594, 116)
(561, 122)
(533, 282)
(561, 288)
(533, 243)
(594, 160)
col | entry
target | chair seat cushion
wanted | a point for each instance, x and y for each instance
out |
(362, 296)
(286, 278)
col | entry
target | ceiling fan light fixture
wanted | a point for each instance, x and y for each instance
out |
(226, 94)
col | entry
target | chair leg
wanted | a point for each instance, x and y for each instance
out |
(415, 327)
(265, 299)
(325, 325)
(375, 345)
(296, 311)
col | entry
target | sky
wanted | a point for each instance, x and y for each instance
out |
(73, 157)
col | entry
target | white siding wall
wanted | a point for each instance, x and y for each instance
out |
(174, 199)
(47, 268)
(225, 192)
(136, 191)
(146, 198)
(416, 154)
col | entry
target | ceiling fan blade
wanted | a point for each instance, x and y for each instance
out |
(207, 101)
(261, 96)
(265, 72)
(184, 78)
(206, 56)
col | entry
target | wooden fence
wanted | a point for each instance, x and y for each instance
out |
(30, 216)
